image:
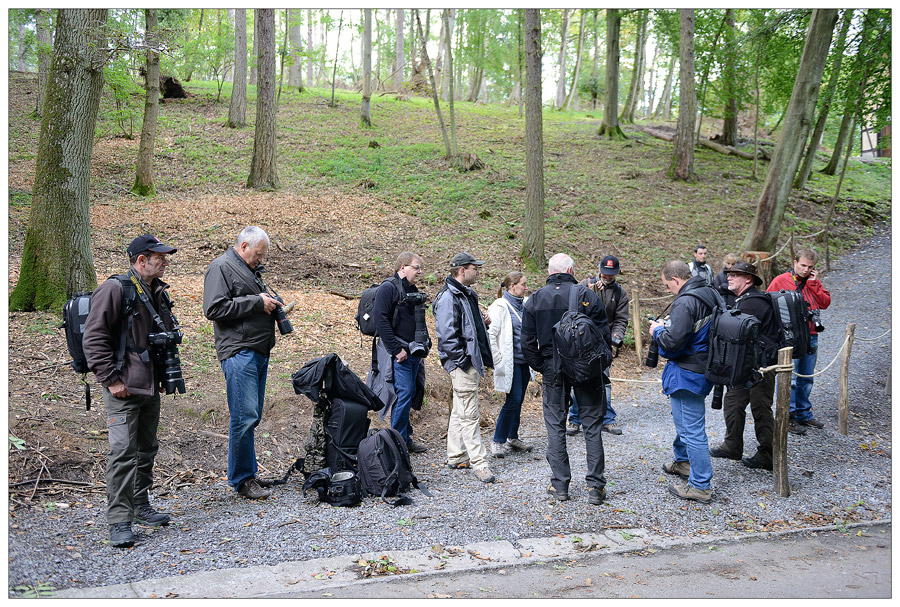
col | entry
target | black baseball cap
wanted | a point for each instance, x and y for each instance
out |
(464, 259)
(609, 266)
(148, 242)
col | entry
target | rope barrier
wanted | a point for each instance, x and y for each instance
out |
(841, 349)
(811, 235)
(873, 338)
(636, 381)
(656, 298)
(772, 256)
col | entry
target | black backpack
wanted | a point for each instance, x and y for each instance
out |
(735, 352)
(581, 351)
(792, 312)
(75, 313)
(364, 319)
(346, 425)
(384, 467)
(338, 489)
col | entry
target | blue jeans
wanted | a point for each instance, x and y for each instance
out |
(510, 414)
(691, 444)
(801, 408)
(405, 387)
(609, 418)
(245, 389)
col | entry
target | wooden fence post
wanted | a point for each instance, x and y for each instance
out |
(782, 414)
(844, 382)
(636, 326)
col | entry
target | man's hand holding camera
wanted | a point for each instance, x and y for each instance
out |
(269, 303)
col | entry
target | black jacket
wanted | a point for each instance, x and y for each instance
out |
(758, 304)
(395, 330)
(544, 309)
(720, 283)
(684, 339)
(615, 303)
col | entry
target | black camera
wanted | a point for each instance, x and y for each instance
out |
(617, 342)
(652, 355)
(165, 346)
(284, 325)
(816, 318)
(718, 393)
(416, 299)
(419, 346)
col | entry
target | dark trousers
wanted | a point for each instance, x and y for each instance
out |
(592, 407)
(734, 407)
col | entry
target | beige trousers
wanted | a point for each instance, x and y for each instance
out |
(464, 431)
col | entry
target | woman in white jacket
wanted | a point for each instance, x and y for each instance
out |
(511, 373)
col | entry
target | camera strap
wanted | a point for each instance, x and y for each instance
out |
(146, 301)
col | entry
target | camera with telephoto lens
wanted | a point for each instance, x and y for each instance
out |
(718, 393)
(165, 345)
(284, 325)
(419, 346)
(816, 318)
(653, 349)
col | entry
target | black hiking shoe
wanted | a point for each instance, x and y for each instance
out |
(120, 535)
(596, 496)
(146, 515)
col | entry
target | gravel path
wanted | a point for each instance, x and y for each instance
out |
(833, 479)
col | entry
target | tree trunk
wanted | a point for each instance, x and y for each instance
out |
(667, 110)
(398, 52)
(730, 114)
(704, 80)
(816, 138)
(682, 165)
(143, 182)
(57, 260)
(263, 166)
(573, 92)
(561, 83)
(45, 52)
(228, 75)
(366, 109)
(295, 73)
(309, 47)
(439, 62)
(666, 96)
(520, 58)
(337, 48)
(610, 125)
(434, 92)
(533, 247)
(255, 50)
(651, 92)
(634, 90)
(763, 232)
(237, 109)
(22, 46)
(594, 81)
(449, 14)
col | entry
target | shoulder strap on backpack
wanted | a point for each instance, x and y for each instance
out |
(129, 297)
(712, 299)
(573, 298)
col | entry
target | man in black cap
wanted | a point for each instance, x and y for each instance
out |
(615, 302)
(742, 281)
(118, 352)
(465, 353)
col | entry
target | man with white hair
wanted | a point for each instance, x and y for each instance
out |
(542, 311)
(235, 298)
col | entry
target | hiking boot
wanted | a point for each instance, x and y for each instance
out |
(611, 428)
(596, 496)
(252, 490)
(146, 515)
(682, 469)
(120, 535)
(561, 496)
(723, 453)
(498, 449)
(484, 475)
(573, 429)
(795, 428)
(812, 422)
(517, 445)
(414, 447)
(458, 465)
(689, 492)
(756, 462)
(267, 482)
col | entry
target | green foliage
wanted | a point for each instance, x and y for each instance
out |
(127, 98)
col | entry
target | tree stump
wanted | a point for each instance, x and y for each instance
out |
(469, 162)
(764, 267)
(171, 88)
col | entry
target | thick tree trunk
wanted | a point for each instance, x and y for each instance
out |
(57, 260)
(573, 92)
(764, 228)
(533, 247)
(45, 52)
(237, 108)
(561, 83)
(254, 54)
(610, 125)
(295, 73)
(682, 165)
(398, 52)
(730, 116)
(366, 108)
(143, 182)
(263, 173)
(816, 137)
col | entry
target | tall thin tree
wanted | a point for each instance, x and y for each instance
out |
(143, 181)
(434, 92)
(398, 52)
(610, 126)
(237, 107)
(729, 73)
(682, 164)
(448, 24)
(561, 83)
(263, 173)
(366, 107)
(533, 247)
(573, 92)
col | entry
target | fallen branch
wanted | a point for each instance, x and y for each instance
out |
(212, 434)
(39, 479)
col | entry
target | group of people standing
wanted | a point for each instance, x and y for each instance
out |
(514, 338)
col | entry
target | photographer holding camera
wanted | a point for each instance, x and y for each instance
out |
(465, 353)
(126, 311)
(398, 369)
(805, 278)
(244, 317)
(683, 340)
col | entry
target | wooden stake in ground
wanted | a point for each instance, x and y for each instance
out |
(782, 413)
(636, 326)
(844, 382)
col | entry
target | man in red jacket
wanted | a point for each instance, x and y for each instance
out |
(804, 278)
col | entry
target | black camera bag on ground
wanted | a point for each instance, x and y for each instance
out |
(578, 344)
(364, 319)
(339, 489)
(735, 351)
(346, 425)
(384, 467)
(792, 312)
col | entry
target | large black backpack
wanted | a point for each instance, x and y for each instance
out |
(364, 313)
(346, 425)
(384, 467)
(792, 312)
(581, 351)
(735, 351)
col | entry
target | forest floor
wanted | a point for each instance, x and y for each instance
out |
(342, 214)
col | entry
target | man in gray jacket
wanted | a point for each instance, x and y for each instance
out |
(235, 298)
(465, 353)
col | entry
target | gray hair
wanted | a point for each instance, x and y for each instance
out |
(560, 263)
(676, 269)
(252, 235)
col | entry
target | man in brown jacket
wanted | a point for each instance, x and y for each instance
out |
(131, 374)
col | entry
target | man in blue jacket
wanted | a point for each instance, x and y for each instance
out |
(682, 339)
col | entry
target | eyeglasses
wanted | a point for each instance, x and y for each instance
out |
(416, 268)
